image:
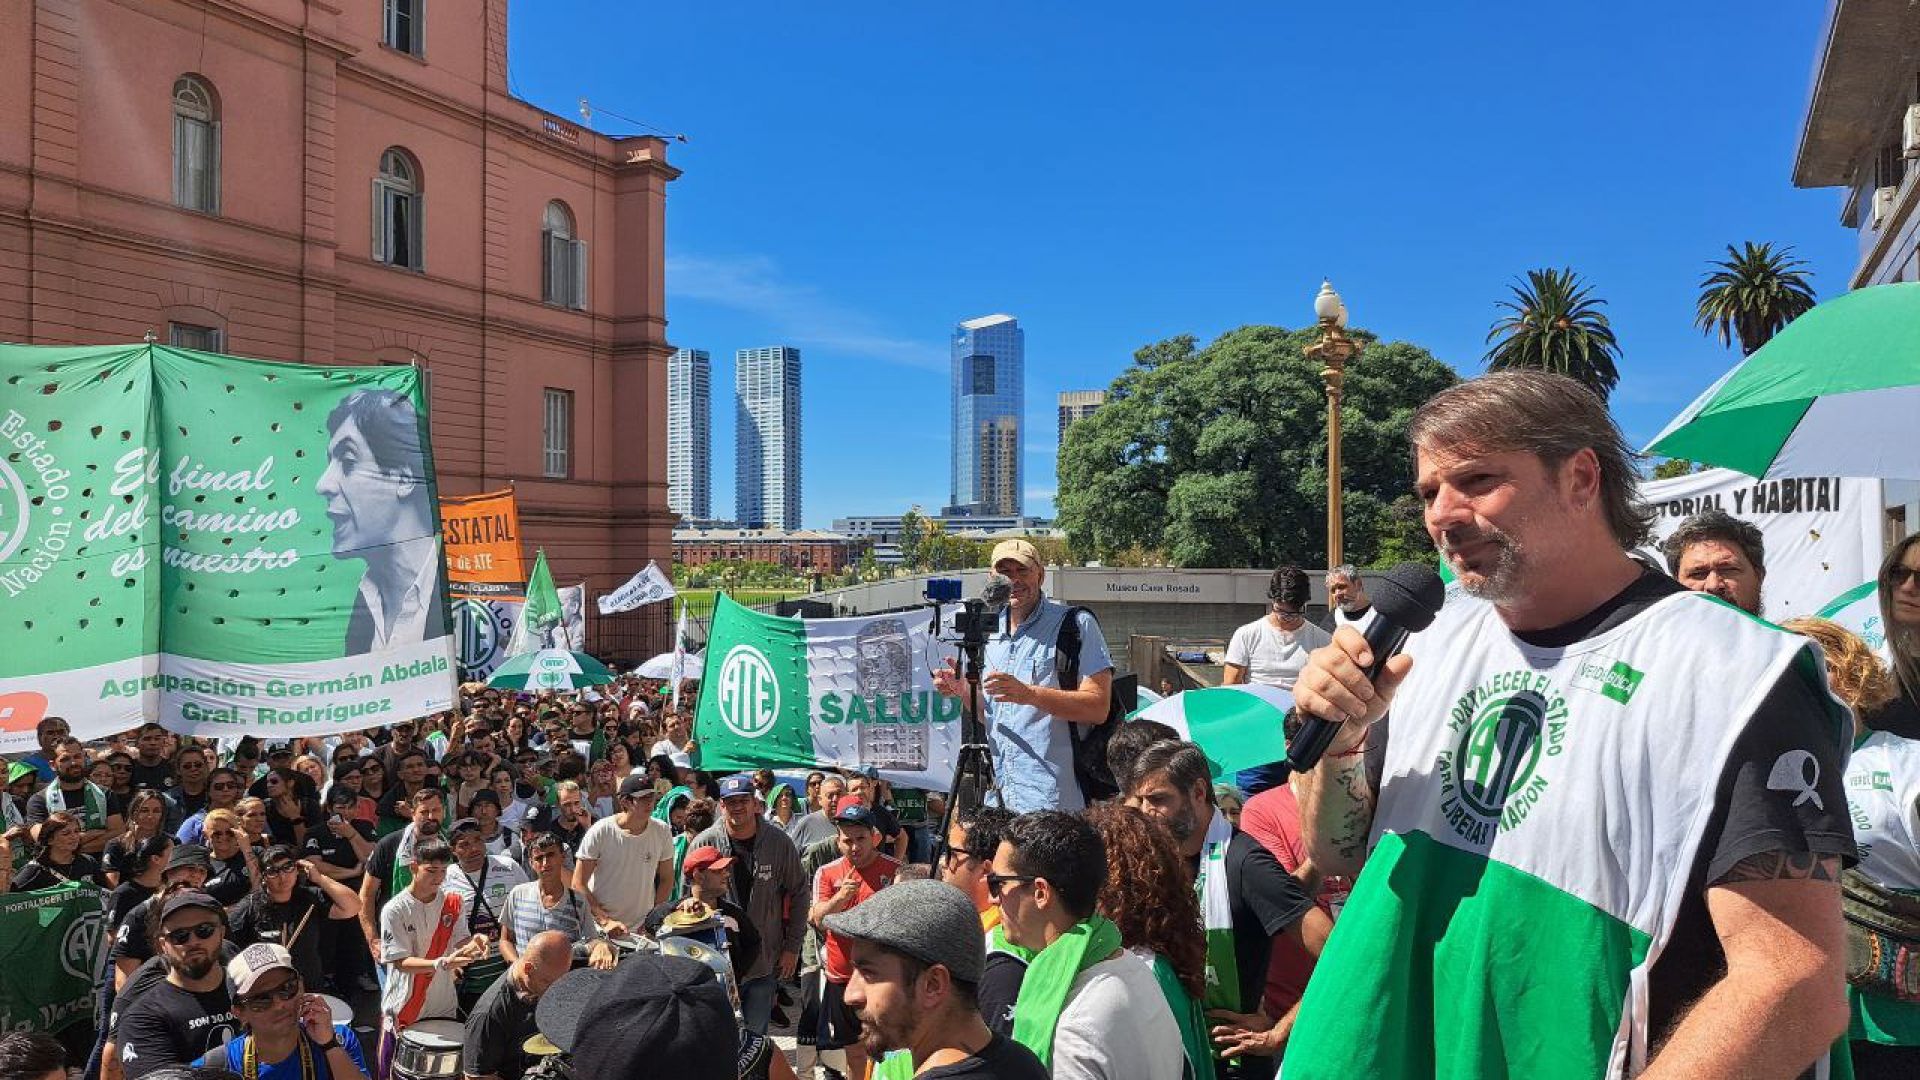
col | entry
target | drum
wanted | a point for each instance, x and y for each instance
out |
(429, 1050)
(626, 946)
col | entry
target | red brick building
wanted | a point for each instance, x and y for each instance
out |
(804, 550)
(351, 182)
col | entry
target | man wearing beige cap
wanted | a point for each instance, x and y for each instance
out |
(1027, 708)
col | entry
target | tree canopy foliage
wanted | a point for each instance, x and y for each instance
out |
(1554, 323)
(1216, 456)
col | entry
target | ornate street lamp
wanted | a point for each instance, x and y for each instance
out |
(1332, 352)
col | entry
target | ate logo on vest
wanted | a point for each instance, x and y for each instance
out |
(1491, 776)
(748, 692)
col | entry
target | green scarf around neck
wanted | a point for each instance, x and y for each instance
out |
(1191, 1016)
(1049, 979)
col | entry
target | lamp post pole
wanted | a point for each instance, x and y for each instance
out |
(1332, 352)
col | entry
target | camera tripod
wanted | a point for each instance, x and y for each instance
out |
(973, 771)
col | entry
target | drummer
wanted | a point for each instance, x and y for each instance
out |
(290, 1033)
(503, 1020)
(484, 881)
(709, 874)
(426, 944)
(549, 903)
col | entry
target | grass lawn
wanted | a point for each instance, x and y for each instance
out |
(700, 602)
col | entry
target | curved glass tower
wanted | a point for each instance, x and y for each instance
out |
(989, 394)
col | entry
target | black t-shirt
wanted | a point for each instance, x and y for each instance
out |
(148, 975)
(743, 865)
(128, 896)
(281, 828)
(381, 860)
(1000, 1059)
(999, 989)
(76, 804)
(335, 850)
(130, 941)
(1901, 716)
(39, 875)
(497, 1030)
(256, 919)
(159, 777)
(546, 819)
(1748, 818)
(186, 803)
(172, 1026)
(229, 882)
(1264, 900)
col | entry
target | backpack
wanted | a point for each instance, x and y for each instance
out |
(1089, 742)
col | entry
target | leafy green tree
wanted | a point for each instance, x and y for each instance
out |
(1753, 294)
(1673, 467)
(1554, 323)
(1216, 456)
(913, 530)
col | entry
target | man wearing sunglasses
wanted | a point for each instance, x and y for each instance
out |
(290, 1033)
(1271, 651)
(965, 864)
(179, 1020)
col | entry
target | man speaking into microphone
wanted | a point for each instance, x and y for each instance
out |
(1603, 827)
(1027, 709)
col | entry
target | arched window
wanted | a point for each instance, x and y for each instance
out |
(397, 211)
(196, 146)
(563, 259)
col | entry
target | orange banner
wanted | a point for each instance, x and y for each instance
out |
(482, 535)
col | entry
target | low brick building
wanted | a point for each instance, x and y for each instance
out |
(803, 550)
(353, 183)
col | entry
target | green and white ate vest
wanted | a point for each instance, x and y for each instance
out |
(1539, 813)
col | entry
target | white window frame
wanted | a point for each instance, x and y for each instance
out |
(397, 191)
(556, 434)
(196, 146)
(200, 338)
(414, 14)
(563, 260)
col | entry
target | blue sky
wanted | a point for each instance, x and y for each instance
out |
(860, 176)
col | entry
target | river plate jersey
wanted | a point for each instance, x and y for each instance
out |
(1534, 841)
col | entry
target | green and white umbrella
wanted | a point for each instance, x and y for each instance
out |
(550, 669)
(1836, 393)
(1239, 727)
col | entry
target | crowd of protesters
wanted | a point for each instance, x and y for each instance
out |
(521, 877)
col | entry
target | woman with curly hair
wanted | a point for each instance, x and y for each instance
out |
(1883, 795)
(1153, 904)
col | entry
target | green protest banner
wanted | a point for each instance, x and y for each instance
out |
(230, 547)
(55, 939)
(793, 693)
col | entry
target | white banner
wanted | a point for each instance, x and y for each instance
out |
(1822, 533)
(649, 586)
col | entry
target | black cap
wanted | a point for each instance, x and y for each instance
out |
(189, 855)
(191, 898)
(636, 785)
(668, 1011)
(487, 795)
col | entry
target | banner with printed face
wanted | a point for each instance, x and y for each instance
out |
(1822, 533)
(230, 547)
(812, 693)
(59, 936)
(482, 537)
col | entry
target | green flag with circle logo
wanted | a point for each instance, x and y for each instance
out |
(805, 693)
(58, 935)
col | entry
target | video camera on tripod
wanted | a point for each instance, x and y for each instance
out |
(976, 621)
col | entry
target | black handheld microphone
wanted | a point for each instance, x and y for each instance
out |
(1405, 602)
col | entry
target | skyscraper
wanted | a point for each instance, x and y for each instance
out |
(766, 458)
(989, 392)
(1076, 405)
(690, 433)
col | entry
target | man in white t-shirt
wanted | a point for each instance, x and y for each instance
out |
(1273, 649)
(1347, 596)
(625, 863)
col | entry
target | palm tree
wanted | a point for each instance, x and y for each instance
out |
(1553, 323)
(1753, 294)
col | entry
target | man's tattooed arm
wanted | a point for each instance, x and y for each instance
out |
(1782, 866)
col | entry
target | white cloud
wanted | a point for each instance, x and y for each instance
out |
(800, 314)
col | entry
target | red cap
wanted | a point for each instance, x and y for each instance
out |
(706, 858)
